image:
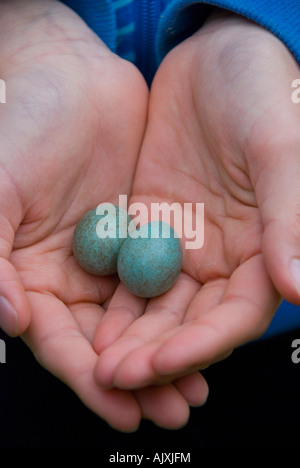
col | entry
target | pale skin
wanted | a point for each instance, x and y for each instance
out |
(72, 136)
(66, 147)
(222, 130)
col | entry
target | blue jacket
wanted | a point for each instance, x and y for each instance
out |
(143, 31)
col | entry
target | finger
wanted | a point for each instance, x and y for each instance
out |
(164, 406)
(281, 238)
(161, 314)
(124, 308)
(193, 388)
(136, 370)
(246, 310)
(274, 163)
(14, 306)
(59, 346)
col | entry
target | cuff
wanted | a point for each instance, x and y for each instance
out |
(184, 17)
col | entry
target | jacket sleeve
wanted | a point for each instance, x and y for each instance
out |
(182, 18)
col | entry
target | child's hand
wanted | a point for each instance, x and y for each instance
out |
(223, 131)
(70, 138)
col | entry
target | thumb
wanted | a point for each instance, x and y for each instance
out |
(14, 305)
(277, 188)
(14, 308)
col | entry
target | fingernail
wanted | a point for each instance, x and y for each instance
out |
(295, 270)
(8, 317)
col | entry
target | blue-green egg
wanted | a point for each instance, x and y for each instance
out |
(98, 237)
(150, 259)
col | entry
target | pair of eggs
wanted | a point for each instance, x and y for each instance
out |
(147, 259)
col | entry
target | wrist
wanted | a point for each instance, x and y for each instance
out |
(223, 20)
(32, 30)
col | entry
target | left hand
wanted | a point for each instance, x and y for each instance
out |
(64, 150)
(222, 130)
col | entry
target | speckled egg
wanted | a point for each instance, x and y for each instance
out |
(150, 260)
(98, 237)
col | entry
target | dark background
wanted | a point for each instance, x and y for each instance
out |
(254, 402)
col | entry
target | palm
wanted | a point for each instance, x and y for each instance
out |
(78, 140)
(198, 147)
(80, 113)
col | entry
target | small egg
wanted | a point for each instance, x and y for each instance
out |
(98, 237)
(150, 259)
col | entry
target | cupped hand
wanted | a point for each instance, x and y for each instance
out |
(222, 130)
(70, 138)
(71, 132)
